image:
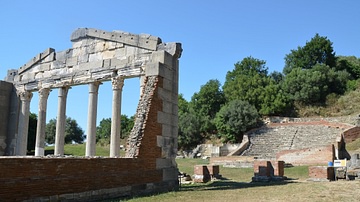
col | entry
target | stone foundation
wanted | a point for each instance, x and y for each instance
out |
(265, 171)
(321, 173)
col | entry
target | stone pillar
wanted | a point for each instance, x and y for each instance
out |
(41, 123)
(22, 137)
(117, 85)
(61, 121)
(91, 124)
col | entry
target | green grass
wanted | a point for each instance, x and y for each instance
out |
(236, 185)
(79, 150)
(354, 145)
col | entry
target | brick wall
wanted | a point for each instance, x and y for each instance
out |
(309, 156)
(321, 173)
(26, 178)
(352, 134)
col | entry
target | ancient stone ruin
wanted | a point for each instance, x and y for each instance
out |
(96, 56)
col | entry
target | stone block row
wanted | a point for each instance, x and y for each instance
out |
(266, 142)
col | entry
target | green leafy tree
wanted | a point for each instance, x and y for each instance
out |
(234, 119)
(189, 134)
(318, 50)
(189, 131)
(312, 86)
(249, 81)
(351, 64)
(32, 131)
(206, 103)
(103, 131)
(126, 125)
(73, 132)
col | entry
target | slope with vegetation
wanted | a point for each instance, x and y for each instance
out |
(314, 82)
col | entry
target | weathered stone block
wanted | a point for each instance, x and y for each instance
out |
(120, 53)
(44, 67)
(163, 163)
(170, 174)
(95, 57)
(72, 61)
(107, 63)
(164, 118)
(57, 65)
(108, 54)
(148, 43)
(83, 58)
(162, 57)
(167, 107)
(50, 57)
(118, 63)
(77, 44)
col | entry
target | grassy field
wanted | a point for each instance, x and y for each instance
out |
(79, 150)
(236, 184)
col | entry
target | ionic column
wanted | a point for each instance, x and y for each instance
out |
(91, 125)
(22, 137)
(61, 121)
(117, 85)
(41, 123)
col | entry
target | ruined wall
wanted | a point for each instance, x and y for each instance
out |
(5, 93)
(97, 56)
(75, 178)
(309, 156)
(352, 134)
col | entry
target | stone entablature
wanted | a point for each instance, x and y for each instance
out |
(95, 55)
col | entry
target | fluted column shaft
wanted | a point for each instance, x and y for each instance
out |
(41, 123)
(117, 85)
(61, 121)
(91, 124)
(22, 137)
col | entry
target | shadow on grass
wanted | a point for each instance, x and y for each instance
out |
(228, 185)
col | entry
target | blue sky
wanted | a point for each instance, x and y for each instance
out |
(214, 35)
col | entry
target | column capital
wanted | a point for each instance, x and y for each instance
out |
(25, 95)
(44, 92)
(94, 86)
(64, 91)
(117, 82)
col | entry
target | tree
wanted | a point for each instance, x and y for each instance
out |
(189, 134)
(32, 131)
(103, 131)
(351, 64)
(318, 50)
(249, 81)
(73, 132)
(189, 131)
(234, 119)
(312, 86)
(126, 125)
(246, 81)
(206, 103)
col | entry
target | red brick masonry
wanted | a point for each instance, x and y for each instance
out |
(24, 178)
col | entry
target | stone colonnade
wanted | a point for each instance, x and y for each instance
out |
(25, 98)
